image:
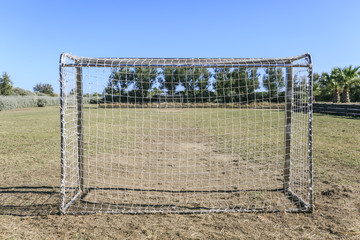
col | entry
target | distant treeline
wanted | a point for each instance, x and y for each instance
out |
(181, 97)
(189, 85)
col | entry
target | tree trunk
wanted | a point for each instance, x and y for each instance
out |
(336, 96)
(345, 96)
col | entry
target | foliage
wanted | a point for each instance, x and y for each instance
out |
(348, 76)
(13, 102)
(123, 80)
(41, 102)
(330, 85)
(355, 93)
(40, 94)
(273, 81)
(172, 77)
(330, 82)
(223, 85)
(21, 92)
(195, 82)
(6, 87)
(92, 100)
(316, 84)
(155, 91)
(45, 88)
(234, 83)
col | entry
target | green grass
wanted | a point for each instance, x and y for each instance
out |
(336, 146)
(30, 143)
(31, 137)
(231, 128)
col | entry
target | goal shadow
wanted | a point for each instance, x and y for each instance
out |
(29, 200)
(94, 200)
(44, 200)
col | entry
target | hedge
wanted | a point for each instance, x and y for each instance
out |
(12, 102)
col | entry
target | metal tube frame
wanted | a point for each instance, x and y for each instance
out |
(287, 63)
(288, 113)
(80, 137)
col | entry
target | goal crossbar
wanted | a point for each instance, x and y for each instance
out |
(185, 62)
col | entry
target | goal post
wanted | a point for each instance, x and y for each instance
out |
(186, 135)
(288, 105)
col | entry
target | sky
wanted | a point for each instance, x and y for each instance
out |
(34, 33)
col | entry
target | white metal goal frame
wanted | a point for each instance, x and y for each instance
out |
(93, 173)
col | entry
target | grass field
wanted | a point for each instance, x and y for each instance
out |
(30, 167)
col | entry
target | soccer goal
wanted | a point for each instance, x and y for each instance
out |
(186, 135)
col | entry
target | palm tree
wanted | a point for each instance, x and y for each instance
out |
(316, 85)
(332, 81)
(348, 76)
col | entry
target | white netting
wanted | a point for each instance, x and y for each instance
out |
(185, 135)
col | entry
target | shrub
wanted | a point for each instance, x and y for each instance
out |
(94, 101)
(41, 102)
(21, 92)
(41, 94)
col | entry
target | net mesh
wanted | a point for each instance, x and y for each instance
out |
(185, 135)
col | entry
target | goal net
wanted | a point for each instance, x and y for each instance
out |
(186, 135)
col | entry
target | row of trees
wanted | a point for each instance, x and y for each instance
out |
(228, 84)
(340, 85)
(225, 84)
(7, 88)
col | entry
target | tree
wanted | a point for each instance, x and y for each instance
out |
(6, 87)
(316, 85)
(332, 82)
(45, 88)
(273, 81)
(348, 76)
(231, 83)
(172, 78)
(119, 81)
(195, 82)
(144, 78)
(130, 84)
(155, 91)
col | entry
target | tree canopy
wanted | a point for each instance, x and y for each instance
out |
(6, 87)
(273, 81)
(225, 84)
(45, 88)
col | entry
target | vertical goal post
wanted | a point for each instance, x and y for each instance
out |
(186, 135)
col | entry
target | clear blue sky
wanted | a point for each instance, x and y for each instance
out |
(33, 34)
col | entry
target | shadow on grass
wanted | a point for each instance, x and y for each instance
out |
(337, 116)
(29, 200)
(44, 200)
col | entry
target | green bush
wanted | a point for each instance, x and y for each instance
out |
(41, 102)
(94, 100)
(86, 100)
(22, 92)
(41, 94)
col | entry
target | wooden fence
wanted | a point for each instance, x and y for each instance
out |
(337, 109)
